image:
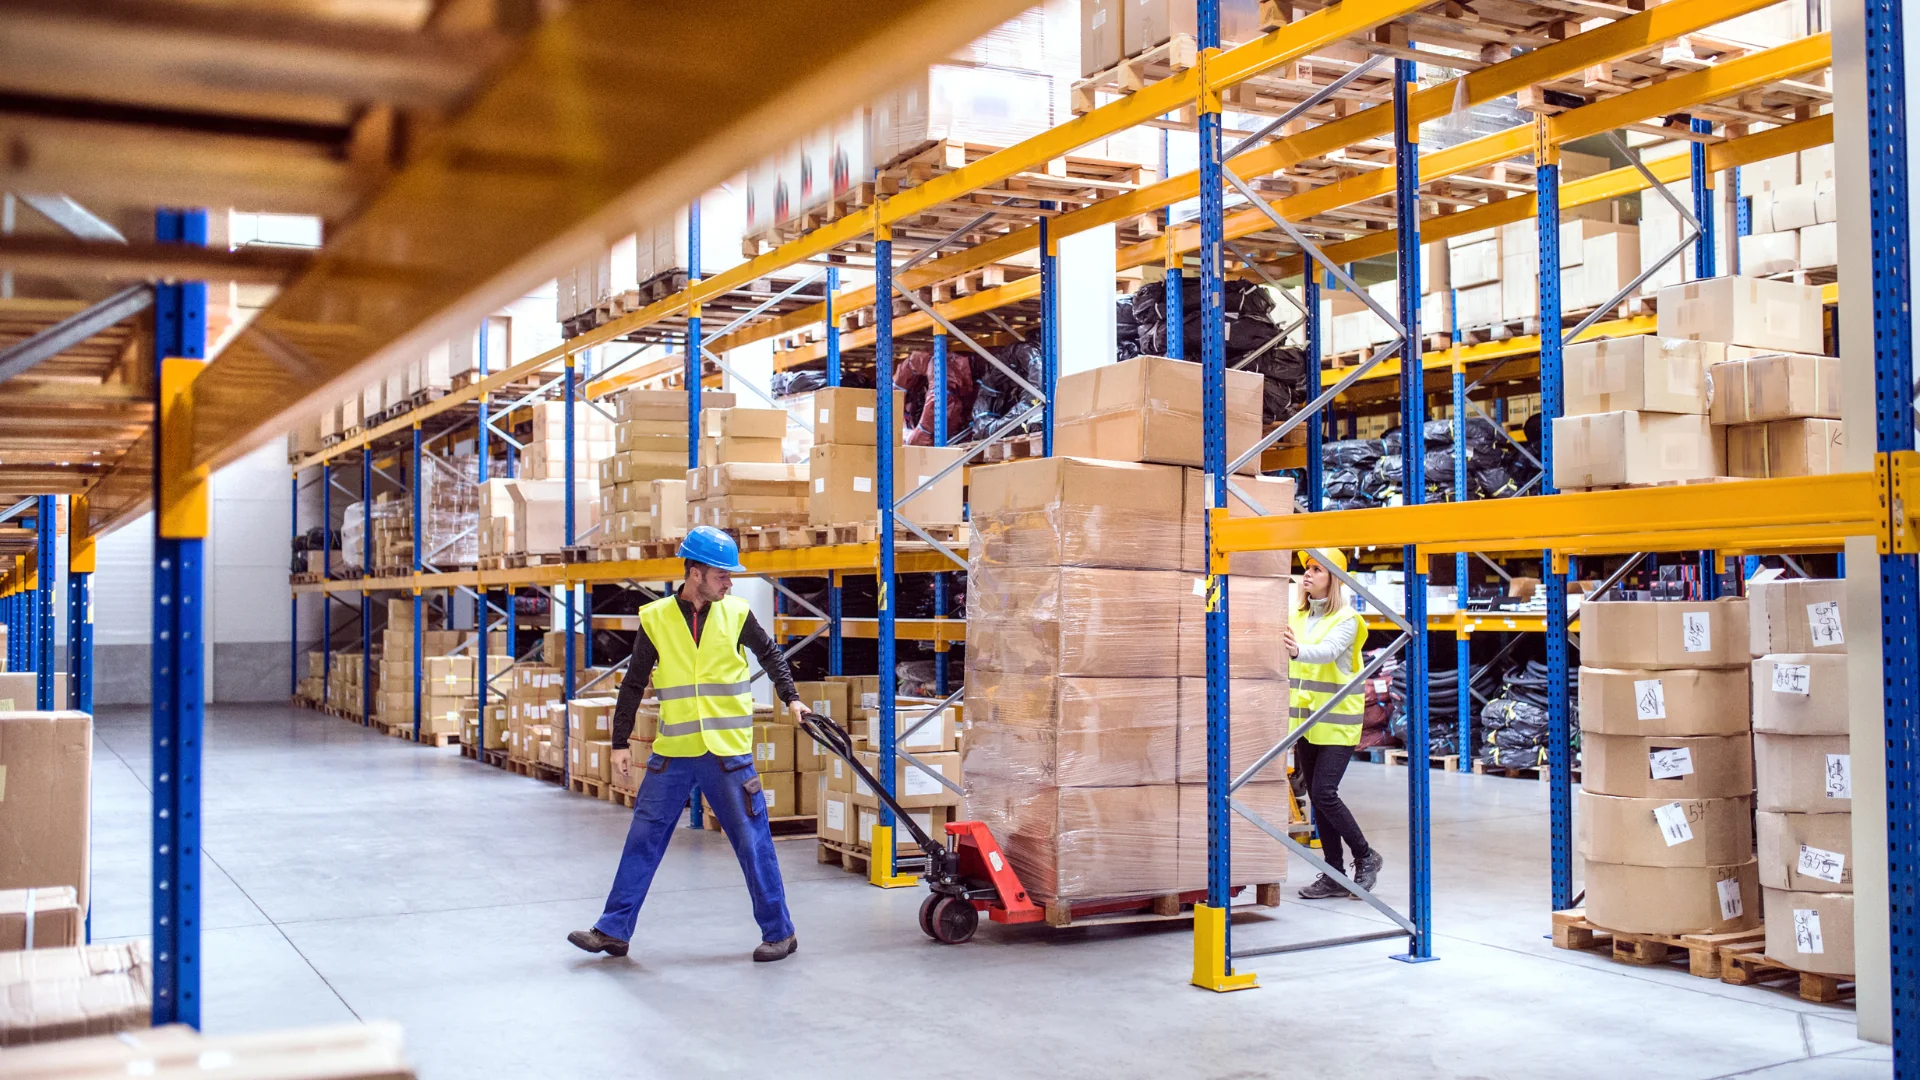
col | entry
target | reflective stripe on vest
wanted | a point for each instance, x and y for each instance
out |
(1314, 685)
(706, 704)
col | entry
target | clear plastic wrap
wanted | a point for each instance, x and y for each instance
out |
(1077, 732)
(1063, 511)
(450, 510)
(1274, 494)
(1149, 409)
(1075, 621)
(1083, 843)
(353, 534)
(1257, 721)
(1254, 857)
(1257, 614)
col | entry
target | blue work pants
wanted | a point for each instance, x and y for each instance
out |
(732, 788)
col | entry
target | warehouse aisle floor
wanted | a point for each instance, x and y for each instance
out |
(352, 875)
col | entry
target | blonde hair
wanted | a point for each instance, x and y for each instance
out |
(1335, 599)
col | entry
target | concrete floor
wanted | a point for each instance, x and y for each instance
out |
(352, 875)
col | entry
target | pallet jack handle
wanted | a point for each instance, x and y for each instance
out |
(828, 733)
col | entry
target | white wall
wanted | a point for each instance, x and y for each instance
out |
(1087, 263)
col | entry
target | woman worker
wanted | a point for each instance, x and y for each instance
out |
(1326, 653)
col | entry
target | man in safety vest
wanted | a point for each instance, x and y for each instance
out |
(691, 644)
(1325, 651)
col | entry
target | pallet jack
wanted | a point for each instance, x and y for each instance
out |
(966, 875)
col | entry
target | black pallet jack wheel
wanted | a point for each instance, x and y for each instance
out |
(926, 915)
(954, 920)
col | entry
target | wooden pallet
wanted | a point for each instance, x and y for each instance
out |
(1015, 448)
(547, 773)
(1520, 772)
(1703, 952)
(1747, 964)
(1134, 73)
(1664, 483)
(532, 558)
(620, 798)
(592, 789)
(495, 758)
(1443, 762)
(521, 768)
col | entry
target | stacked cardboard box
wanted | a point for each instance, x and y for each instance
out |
(1635, 413)
(544, 457)
(590, 738)
(450, 513)
(742, 496)
(651, 440)
(1775, 401)
(844, 461)
(64, 993)
(848, 809)
(810, 759)
(534, 706)
(40, 918)
(1081, 732)
(1148, 409)
(176, 1052)
(46, 758)
(345, 692)
(313, 683)
(1803, 766)
(1667, 769)
(1794, 215)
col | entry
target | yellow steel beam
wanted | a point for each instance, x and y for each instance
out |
(940, 631)
(1485, 352)
(1779, 514)
(985, 300)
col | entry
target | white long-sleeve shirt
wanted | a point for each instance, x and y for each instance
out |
(1337, 647)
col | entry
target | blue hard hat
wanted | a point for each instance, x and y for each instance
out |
(706, 544)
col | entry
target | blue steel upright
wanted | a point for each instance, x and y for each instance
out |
(366, 598)
(695, 366)
(570, 394)
(939, 391)
(326, 575)
(834, 648)
(80, 564)
(179, 709)
(1703, 250)
(1890, 212)
(419, 550)
(293, 614)
(1559, 713)
(1213, 411)
(1413, 418)
(481, 615)
(1316, 428)
(1175, 307)
(45, 530)
(1049, 331)
(885, 425)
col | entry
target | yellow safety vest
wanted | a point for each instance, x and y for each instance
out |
(706, 704)
(1316, 684)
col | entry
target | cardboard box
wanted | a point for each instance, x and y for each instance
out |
(1077, 621)
(1274, 494)
(590, 760)
(743, 423)
(44, 918)
(539, 512)
(1259, 708)
(735, 512)
(1665, 832)
(1762, 254)
(1774, 386)
(1813, 852)
(773, 748)
(1148, 23)
(838, 822)
(863, 691)
(1744, 311)
(1257, 614)
(1673, 899)
(780, 480)
(1253, 857)
(942, 503)
(667, 509)
(1786, 448)
(825, 698)
(1148, 409)
(1071, 732)
(1820, 246)
(1477, 264)
(841, 484)
(912, 788)
(1082, 843)
(932, 819)
(1806, 774)
(933, 736)
(808, 786)
(1667, 767)
(1100, 35)
(1662, 634)
(781, 794)
(844, 416)
(1798, 615)
(665, 405)
(1062, 511)
(591, 719)
(47, 759)
(1800, 694)
(1614, 448)
(1670, 701)
(1644, 374)
(1811, 931)
(728, 448)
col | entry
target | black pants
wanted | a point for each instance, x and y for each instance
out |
(1319, 771)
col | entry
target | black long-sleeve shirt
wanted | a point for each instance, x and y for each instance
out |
(645, 657)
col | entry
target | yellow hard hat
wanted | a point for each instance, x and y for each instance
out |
(1333, 555)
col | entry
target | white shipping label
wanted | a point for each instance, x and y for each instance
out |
(762, 751)
(1731, 906)
(1823, 624)
(819, 483)
(837, 765)
(870, 699)
(821, 707)
(1839, 776)
(593, 759)
(772, 797)
(837, 816)
(862, 414)
(863, 483)
(823, 416)
(1650, 699)
(1791, 678)
(1823, 864)
(1199, 586)
(1696, 631)
(1671, 763)
(860, 787)
(923, 481)
(1806, 931)
(1673, 823)
(866, 829)
(919, 783)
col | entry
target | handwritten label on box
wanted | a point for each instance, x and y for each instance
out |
(1823, 864)
(1673, 823)
(1806, 931)
(1839, 776)
(1792, 678)
(1731, 906)
(1668, 764)
(1696, 631)
(1650, 699)
(1823, 624)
